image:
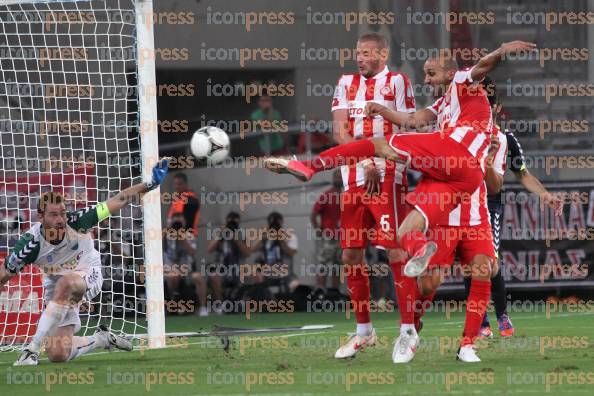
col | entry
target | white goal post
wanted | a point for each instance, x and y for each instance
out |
(150, 152)
(77, 114)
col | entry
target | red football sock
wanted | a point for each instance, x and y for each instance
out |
(358, 287)
(405, 292)
(412, 241)
(343, 154)
(476, 306)
(421, 306)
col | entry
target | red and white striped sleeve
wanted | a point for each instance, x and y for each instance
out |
(339, 101)
(405, 97)
(434, 108)
(463, 76)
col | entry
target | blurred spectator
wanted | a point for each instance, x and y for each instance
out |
(274, 252)
(229, 249)
(184, 201)
(327, 233)
(270, 142)
(179, 259)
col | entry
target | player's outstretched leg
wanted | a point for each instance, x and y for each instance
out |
(358, 286)
(344, 154)
(103, 338)
(63, 346)
(482, 269)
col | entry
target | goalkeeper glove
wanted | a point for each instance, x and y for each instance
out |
(159, 173)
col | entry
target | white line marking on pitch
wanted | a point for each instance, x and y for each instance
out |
(137, 348)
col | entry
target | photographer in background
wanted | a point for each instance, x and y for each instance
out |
(185, 201)
(274, 256)
(179, 259)
(229, 250)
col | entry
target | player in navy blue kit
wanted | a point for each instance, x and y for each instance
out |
(510, 148)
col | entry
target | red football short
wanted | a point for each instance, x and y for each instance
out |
(450, 172)
(466, 241)
(375, 218)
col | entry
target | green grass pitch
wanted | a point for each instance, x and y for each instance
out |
(546, 356)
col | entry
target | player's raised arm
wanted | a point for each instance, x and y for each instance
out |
(418, 119)
(487, 63)
(124, 197)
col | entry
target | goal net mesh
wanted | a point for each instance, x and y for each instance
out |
(69, 122)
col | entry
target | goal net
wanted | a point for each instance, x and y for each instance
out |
(70, 111)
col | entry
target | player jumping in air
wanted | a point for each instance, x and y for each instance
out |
(451, 160)
(372, 203)
(61, 246)
(465, 230)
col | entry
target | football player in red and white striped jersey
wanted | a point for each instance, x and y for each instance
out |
(372, 203)
(464, 228)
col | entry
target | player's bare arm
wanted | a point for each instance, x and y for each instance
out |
(340, 126)
(340, 119)
(416, 120)
(124, 197)
(532, 184)
(490, 61)
(341, 135)
(493, 180)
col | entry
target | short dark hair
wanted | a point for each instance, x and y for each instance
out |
(274, 216)
(234, 215)
(380, 39)
(49, 197)
(491, 90)
(445, 61)
(181, 176)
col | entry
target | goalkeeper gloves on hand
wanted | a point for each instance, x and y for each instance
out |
(159, 173)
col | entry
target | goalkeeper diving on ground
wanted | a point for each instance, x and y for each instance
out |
(61, 246)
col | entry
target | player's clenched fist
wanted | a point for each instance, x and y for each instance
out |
(374, 109)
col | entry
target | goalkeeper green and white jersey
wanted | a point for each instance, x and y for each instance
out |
(75, 252)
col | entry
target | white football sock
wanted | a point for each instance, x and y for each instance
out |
(364, 329)
(405, 327)
(82, 345)
(53, 315)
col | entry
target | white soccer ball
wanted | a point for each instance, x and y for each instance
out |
(210, 143)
